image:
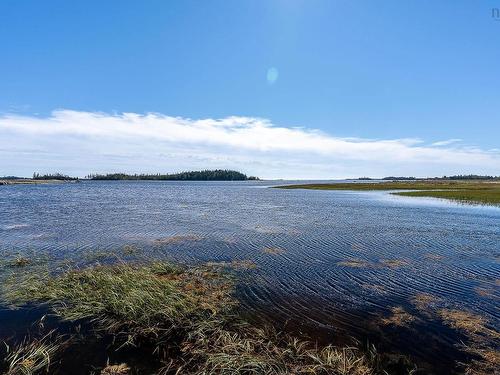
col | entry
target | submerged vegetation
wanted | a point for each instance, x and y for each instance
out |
(188, 316)
(484, 191)
(206, 175)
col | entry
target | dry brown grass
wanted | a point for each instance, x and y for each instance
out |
(487, 364)
(399, 317)
(483, 340)
(424, 302)
(21, 262)
(250, 350)
(463, 320)
(121, 369)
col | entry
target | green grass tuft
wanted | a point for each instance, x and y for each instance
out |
(137, 300)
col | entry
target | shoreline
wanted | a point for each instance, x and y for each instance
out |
(475, 192)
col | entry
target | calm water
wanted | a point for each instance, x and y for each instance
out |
(331, 275)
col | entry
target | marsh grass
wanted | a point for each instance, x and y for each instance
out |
(121, 369)
(251, 350)
(480, 339)
(485, 192)
(401, 185)
(483, 340)
(468, 322)
(135, 300)
(188, 316)
(424, 302)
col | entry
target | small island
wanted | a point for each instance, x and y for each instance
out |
(205, 175)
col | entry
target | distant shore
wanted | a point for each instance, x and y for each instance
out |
(473, 191)
(204, 175)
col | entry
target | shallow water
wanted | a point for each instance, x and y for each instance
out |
(331, 270)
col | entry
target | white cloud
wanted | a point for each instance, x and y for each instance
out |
(446, 142)
(81, 142)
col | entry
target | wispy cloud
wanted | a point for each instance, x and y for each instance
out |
(80, 142)
(446, 142)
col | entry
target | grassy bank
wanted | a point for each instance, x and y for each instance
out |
(28, 181)
(485, 192)
(187, 317)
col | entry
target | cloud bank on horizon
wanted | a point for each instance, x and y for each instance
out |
(78, 143)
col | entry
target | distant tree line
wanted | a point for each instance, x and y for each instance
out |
(399, 178)
(457, 177)
(387, 178)
(469, 177)
(206, 175)
(53, 176)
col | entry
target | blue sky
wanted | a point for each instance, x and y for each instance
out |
(363, 71)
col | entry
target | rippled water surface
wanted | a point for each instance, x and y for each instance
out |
(331, 262)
